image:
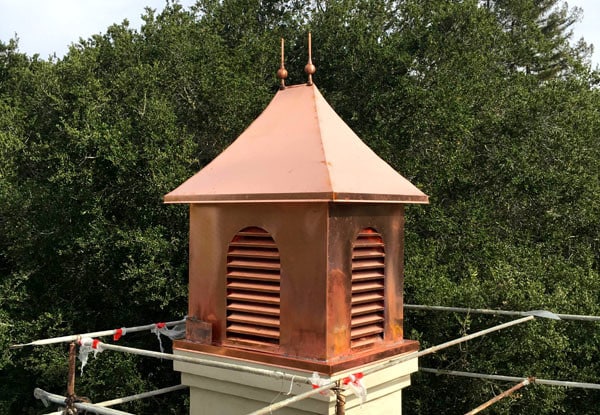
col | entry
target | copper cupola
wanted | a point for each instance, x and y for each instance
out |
(296, 243)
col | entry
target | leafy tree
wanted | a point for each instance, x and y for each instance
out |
(540, 35)
(484, 105)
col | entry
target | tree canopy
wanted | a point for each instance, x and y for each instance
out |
(487, 106)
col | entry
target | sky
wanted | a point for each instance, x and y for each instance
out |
(50, 26)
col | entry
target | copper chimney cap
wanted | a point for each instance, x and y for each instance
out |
(298, 149)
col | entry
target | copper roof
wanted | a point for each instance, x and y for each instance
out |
(298, 149)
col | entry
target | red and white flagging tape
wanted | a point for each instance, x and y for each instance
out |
(354, 381)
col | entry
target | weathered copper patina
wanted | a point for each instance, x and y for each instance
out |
(296, 243)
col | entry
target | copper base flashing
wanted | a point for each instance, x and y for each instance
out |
(324, 367)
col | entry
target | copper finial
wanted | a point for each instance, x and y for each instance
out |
(310, 69)
(282, 73)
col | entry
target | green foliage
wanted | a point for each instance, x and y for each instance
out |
(485, 105)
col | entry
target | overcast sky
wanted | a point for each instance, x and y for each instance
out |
(50, 26)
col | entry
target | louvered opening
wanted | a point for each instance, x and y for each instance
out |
(253, 288)
(368, 261)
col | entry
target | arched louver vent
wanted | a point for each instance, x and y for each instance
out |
(368, 261)
(253, 283)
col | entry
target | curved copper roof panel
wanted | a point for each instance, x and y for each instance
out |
(298, 149)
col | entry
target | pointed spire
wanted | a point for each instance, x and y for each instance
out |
(310, 69)
(282, 73)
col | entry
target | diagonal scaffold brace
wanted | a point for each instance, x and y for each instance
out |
(393, 362)
(501, 396)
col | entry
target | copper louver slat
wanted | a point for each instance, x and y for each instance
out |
(253, 263)
(367, 253)
(245, 274)
(367, 331)
(368, 284)
(256, 287)
(254, 253)
(371, 318)
(253, 289)
(368, 263)
(245, 318)
(257, 334)
(265, 309)
(364, 275)
(252, 297)
(367, 244)
(259, 233)
(251, 242)
(370, 297)
(369, 308)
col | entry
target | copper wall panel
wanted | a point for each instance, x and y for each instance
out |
(315, 243)
(299, 230)
(345, 221)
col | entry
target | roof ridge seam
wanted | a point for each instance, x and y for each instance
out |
(315, 90)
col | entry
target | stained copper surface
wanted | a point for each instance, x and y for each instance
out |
(296, 243)
(198, 331)
(297, 149)
(315, 245)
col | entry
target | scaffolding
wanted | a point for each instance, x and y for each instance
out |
(335, 384)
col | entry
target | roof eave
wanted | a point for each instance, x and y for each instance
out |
(298, 197)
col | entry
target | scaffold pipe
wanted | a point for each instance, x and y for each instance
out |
(136, 397)
(139, 396)
(222, 365)
(75, 337)
(433, 349)
(547, 382)
(297, 398)
(536, 313)
(499, 397)
(393, 362)
(60, 400)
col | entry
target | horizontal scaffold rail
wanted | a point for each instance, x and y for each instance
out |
(132, 398)
(100, 346)
(89, 407)
(536, 313)
(112, 332)
(547, 382)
